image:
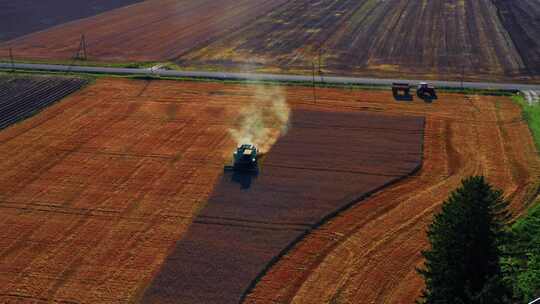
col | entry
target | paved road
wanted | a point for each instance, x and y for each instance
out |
(265, 77)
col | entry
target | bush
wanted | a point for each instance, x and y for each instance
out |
(522, 264)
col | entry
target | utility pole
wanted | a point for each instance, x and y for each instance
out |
(320, 59)
(84, 46)
(313, 69)
(11, 59)
(462, 74)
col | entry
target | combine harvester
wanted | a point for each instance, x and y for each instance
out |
(245, 159)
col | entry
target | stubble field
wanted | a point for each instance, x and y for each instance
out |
(21, 17)
(477, 39)
(97, 190)
(371, 251)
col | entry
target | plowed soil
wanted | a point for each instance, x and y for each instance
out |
(96, 190)
(326, 162)
(21, 97)
(477, 39)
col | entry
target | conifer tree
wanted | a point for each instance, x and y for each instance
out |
(463, 263)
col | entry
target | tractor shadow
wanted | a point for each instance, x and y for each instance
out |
(244, 178)
(428, 99)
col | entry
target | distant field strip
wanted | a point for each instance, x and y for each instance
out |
(522, 20)
(23, 97)
(150, 30)
(21, 17)
(477, 39)
(439, 37)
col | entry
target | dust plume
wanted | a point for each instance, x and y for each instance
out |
(264, 119)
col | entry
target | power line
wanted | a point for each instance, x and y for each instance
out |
(80, 54)
(313, 69)
(320, 64)
(81, 51)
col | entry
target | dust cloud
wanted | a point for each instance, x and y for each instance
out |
(264, 119)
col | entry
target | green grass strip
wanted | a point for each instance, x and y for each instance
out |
(531, 113)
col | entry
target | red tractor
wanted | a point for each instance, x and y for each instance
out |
(426, 91)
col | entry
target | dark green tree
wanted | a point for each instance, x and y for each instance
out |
(463, 263)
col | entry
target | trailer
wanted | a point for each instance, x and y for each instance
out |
(401, 91)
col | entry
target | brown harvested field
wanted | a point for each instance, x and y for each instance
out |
(420, 37)
(370, 252)
(326, 162)
(487, 40)
(152, 30)
(97, 190)
(522, 20)
(21, 17)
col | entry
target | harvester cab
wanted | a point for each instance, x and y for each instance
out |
(244, 159)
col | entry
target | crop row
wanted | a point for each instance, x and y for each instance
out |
(21, 98)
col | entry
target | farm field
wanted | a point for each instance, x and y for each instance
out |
(370, 252)
(22, 97)
(378, 37)
(21, 17)
(324, 163)
(152, 30)
(97, 190)
(475, 39)
(521, 20)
